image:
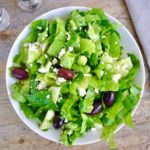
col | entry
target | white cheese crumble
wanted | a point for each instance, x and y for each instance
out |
(124, 66)
(55, 61)
(74, 28)
(43, 46)
(60, 80)
(70, 48)
(68, 36)
(41, 86)
(82, 91)
(38, 27)
(31, 65)
(48, 96)
(116, 77)
(45, 69)
(62, 52)
(117, 67)
(33, 47)
(55, 70)
(96, 91)
(66, 120)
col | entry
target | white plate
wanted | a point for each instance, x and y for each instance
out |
(129, 45)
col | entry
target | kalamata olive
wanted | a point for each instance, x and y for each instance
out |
(20, 73)
(58, 122)
(97, 107)
(65, 73)
(109, 98)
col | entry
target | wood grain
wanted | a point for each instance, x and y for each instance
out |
(15, 135)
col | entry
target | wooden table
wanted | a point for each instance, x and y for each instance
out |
(14, 134)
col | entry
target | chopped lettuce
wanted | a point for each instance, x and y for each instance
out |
(94, 36)
(39, 25)
(66, 108)
(48, 120)
(34, 52)
(87, 46)
(86, 105)
(59, 39)
(67, 60)
(54, 91)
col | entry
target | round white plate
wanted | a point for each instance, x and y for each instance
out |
(129, 45)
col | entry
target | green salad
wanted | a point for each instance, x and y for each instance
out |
(74, 75)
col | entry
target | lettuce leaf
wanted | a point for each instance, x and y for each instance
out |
(67, 60)
(87, 46)
(86, 105)
(59, 39)
(20, 91)
(66, 108)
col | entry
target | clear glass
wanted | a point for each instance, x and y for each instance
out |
(4, 19)
(29, 5)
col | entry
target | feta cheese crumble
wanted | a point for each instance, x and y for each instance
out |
(62, 52)
(48, 96)
(74, 28)
(43, 46)
(60, 80)
(116, 77)
(41, 86)
(45, 69)
(70, 132)
(66, 120)
(55, 70)
(55, 61)
(82, 91)
(96, 91)
(70, 48)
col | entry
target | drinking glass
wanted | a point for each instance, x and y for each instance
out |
(4, 19)
(29, 5)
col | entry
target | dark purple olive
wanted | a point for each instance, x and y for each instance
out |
(109, 98)
(97, 107)
(66, 73)
(20, 73)
(58, 122)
